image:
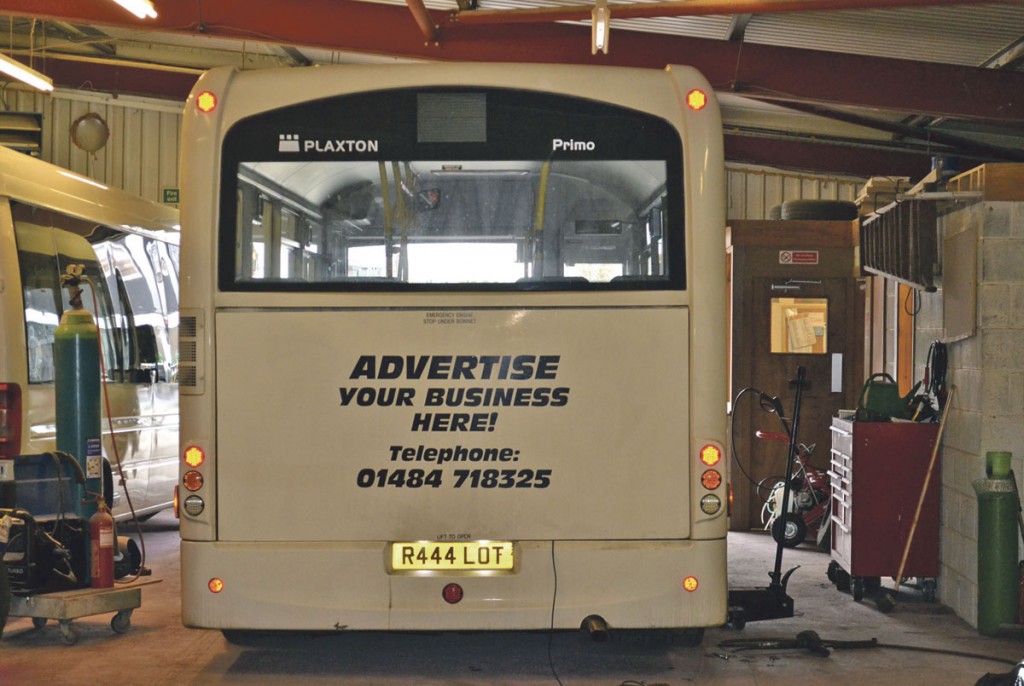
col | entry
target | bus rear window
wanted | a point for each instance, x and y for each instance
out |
(514, 224)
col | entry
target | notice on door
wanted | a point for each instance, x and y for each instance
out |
(798, 257)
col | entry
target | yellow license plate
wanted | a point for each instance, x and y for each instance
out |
(454, 556)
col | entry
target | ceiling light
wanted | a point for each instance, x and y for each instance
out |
(599, 29)
(19, 71)
(140, 8)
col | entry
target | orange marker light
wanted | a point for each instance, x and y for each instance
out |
(215, 585)
(690, 584)
(710, 455)
(206, 101)
(711, 479)
(194, 456)
(696, 100)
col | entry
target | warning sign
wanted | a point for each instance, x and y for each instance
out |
(798, 257)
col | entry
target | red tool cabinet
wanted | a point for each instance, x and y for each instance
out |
(878, 470)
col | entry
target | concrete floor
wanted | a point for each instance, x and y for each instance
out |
(157, 650)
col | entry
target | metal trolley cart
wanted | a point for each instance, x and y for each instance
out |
(65, 606)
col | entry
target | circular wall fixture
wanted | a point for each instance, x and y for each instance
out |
(89, 132)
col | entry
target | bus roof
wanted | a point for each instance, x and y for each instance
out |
(30, 180)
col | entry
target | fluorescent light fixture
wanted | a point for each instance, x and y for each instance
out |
(19, 71)
(140, 8)
(600, 17)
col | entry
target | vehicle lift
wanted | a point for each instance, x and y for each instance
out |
(772, 602)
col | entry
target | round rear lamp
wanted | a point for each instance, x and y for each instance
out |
(192, 480)
(452, 593)
(194, 505)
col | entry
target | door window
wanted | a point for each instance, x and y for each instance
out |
(799, 325)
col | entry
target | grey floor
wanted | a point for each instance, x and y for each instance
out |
(157, 650)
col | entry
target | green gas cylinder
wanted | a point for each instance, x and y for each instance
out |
(998, 571)
(77, 387)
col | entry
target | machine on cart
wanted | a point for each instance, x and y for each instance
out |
(46, 549)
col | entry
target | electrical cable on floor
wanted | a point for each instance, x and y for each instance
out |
(809, 640)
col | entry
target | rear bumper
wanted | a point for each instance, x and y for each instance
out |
(334, 586)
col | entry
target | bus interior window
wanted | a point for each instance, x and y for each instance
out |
(429, 222)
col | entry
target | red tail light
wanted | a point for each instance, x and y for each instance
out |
(10, 420)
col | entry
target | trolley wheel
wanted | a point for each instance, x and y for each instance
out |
(789, 530)
(928, 588)
(39, 622)
(857, 588)
(68, 632)
(121, 621)
(831, 572)
(872, 584)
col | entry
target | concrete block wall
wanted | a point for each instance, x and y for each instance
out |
(988, 370)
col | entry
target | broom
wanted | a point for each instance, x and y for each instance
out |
(887, 601)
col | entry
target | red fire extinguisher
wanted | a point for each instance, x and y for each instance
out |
(101, 536)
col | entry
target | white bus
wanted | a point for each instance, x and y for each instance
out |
(456, 346)
(50, 218)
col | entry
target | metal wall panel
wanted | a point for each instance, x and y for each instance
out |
(753, 191)
(141, 154)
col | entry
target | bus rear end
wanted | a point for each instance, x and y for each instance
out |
(457, 350)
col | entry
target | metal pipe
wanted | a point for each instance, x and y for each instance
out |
(684, 8)
(423, 19)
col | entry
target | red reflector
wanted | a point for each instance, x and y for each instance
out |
(10, 420)
(452, 593)
(192, 480)
(696, 99)
(690, 583)
(710, 479)
(206, 102)
(215, 585)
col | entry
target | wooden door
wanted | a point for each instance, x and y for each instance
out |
(796, 300)
(792, 322)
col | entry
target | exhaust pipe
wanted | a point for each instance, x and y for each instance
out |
(596, 628)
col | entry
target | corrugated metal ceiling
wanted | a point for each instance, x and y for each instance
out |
(747, 57)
